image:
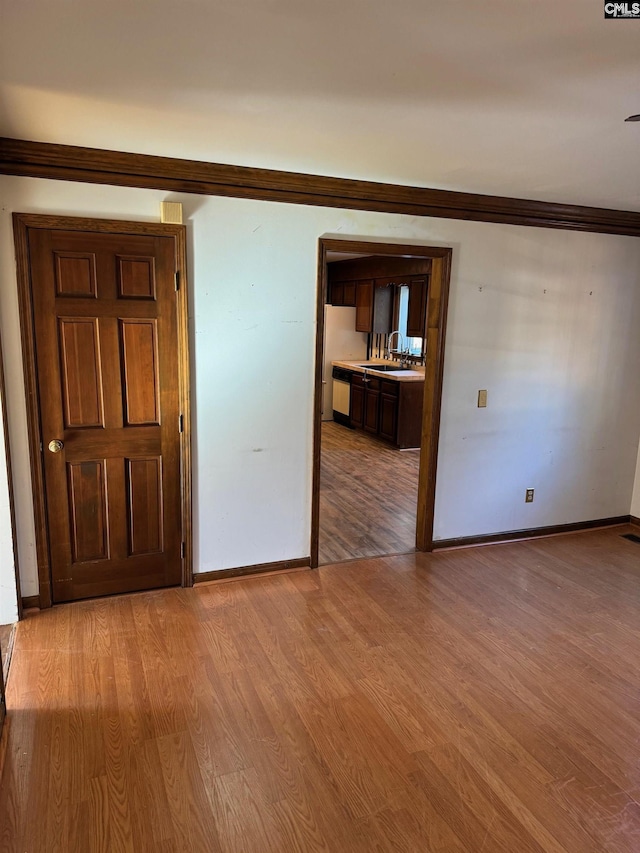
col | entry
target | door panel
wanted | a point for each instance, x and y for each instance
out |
(144, 478)
(140, 371)
(81, 374)
(76, 274)
(106, 338)
(88, 505)
(136, 277)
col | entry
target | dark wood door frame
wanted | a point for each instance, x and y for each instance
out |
(21, 223)
(437, 302)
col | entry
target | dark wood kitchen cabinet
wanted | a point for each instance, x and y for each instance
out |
(364, 306)
(349, 295)
(374, 307)
(365, 403)
(356, 407)
(371, 285)
(343, 293)
(388, 409)
(417, 307)
(383, 295)
(336, 295)
(372, 406)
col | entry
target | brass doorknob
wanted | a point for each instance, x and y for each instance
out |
(56, 445)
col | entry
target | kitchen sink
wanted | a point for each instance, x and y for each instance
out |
(384, 368)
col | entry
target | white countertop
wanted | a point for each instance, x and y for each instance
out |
(415, 374)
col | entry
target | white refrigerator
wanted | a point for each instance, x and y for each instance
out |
(341, 343)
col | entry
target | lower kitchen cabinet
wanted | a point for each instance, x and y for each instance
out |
(389, 417)
(356, 408)
(372, 406)
(391, 410)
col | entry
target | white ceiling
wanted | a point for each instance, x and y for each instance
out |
(510, 97)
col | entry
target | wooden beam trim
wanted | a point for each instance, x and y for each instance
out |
(94, 165)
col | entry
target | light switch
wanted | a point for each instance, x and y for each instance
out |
(482, 399)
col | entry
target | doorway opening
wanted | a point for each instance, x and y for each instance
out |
(379, 362)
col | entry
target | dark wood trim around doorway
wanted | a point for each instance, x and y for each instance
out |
(119, 168)
(22, 222)
(437, 302)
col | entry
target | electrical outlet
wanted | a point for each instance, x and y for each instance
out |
(528, 498)
(482, 399)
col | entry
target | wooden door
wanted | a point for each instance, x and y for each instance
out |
(107, 356)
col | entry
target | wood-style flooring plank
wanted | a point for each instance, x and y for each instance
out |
(368, 496)
(473, 700)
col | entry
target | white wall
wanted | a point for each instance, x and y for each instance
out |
(545, 320)
(8, 591)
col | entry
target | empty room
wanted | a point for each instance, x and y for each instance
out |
(320, 472)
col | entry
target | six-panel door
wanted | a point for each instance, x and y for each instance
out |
(107, 361)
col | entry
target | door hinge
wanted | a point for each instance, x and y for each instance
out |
(180, 423)
(182, 550)
(177, 279)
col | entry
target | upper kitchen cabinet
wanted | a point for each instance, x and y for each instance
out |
(349, 294)
(417, 307)
(336, 293)
(342, 293)
(374, 307)
(383, 294)
(372, 285)
(364, 306)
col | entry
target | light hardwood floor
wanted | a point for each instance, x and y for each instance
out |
(368, 496)
(473, 700)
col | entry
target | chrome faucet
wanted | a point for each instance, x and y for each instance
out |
(400, 342)
(404, 358)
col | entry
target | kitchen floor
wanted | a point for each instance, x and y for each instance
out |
(368, 496)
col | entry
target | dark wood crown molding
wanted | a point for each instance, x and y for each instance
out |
(98, 166)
